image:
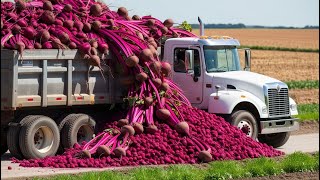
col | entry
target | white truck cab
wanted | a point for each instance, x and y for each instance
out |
(208, 70)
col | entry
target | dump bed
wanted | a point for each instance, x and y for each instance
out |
(43, 78)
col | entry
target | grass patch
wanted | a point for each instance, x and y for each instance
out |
(225, 170)
(308, 112)
(309, 84)
(270, 48)
(263, 167)
(296, 162)
(300, 162)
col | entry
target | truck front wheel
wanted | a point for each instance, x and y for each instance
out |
(275, 140)
(246, 122)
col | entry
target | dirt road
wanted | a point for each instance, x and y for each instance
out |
(304, 143)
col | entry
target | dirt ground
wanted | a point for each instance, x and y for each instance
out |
(286, 66)
(307, 127)
(289, 176)
(305, 96)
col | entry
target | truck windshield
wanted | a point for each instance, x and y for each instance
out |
(221, 58)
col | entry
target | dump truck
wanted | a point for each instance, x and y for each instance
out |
(49, 97)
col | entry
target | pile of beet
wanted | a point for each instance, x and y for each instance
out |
(166, 146)
(160, 127)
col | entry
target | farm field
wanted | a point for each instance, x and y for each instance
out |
(305, 96)
(288, 38)
(286, 66)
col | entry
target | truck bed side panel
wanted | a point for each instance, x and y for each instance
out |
(54, 78)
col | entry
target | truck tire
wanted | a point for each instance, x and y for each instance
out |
(61, 122)
(39, 138)
(4, 145)
(275, 140)
(76, 129)
(13, 136)
(246, 122)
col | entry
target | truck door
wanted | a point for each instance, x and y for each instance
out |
(187, 74)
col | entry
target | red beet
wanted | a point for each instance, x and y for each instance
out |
(141, 77)
(103, 151)
(168, 23)
(182, 128)
(127, 129)
(138, 128)
(48, 17)
(122, 122)
(146, 55)
(165, 68)
(163, 114)
(132, 61)
(148, 101)
(119, 152)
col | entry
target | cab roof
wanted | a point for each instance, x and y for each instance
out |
(205, 40)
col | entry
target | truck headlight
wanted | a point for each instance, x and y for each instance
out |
(264, 110)
(293, 107)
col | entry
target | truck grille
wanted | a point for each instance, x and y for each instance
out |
(278, 102)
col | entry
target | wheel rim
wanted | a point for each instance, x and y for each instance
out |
(43, 139)
(85, 133)
(246, 127)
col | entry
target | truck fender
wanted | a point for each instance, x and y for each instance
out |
(225, 101)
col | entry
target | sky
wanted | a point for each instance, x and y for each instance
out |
(296, 13)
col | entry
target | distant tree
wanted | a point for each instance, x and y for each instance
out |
(240, 25)
(186, 26)
(311, 27)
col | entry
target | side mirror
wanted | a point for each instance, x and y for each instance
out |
(189, 57)
(247, 60)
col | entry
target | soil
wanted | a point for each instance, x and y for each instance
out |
(305, 96)
(307, 127)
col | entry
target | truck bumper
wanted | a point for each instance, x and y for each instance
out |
(278, 126)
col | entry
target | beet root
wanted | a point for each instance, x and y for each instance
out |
(163, 114)
(138, 127)
(182, 128)
(103, 151)
(127, 129)
(152, 129)
(119, 152)
(122, 122)
(86, 153)
(205, 156)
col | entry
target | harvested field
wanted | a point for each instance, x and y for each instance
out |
(286, 66)
(288, 38)
(305, 96)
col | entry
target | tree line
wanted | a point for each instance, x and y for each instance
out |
(240, 25)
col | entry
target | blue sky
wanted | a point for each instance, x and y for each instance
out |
(298, 13)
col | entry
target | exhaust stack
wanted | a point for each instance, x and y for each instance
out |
(201, 27)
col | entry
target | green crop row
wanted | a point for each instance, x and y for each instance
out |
(270, 48)
(296, 162)
(309, 84)
(308, 112)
